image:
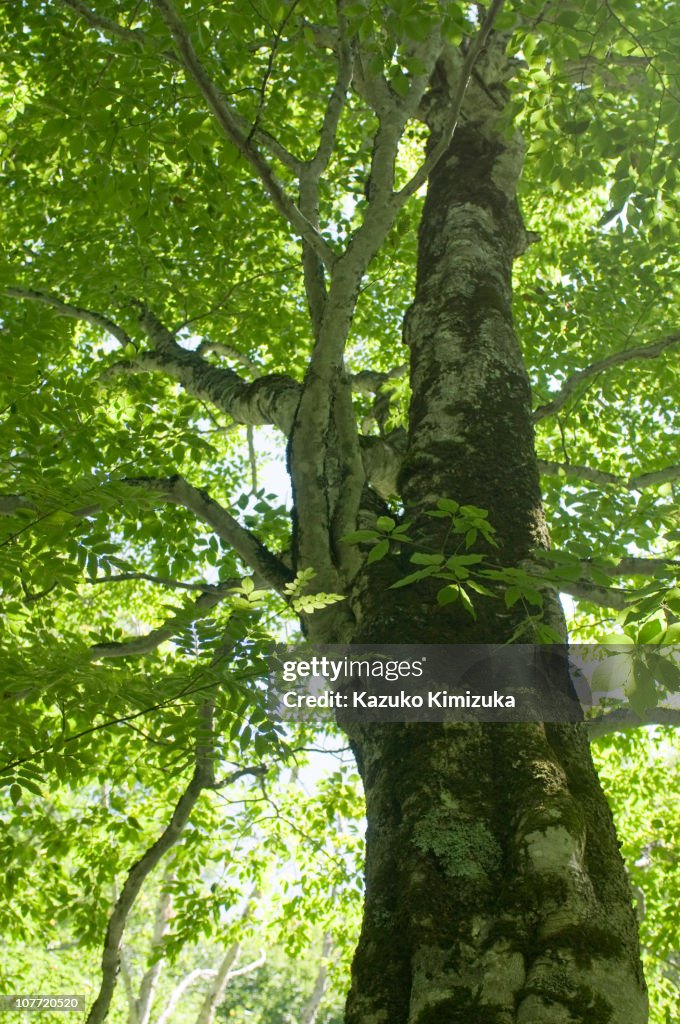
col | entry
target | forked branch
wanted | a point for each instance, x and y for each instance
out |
(231, 127)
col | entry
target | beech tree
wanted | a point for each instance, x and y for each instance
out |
(433, 246)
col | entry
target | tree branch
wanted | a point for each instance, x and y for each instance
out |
(598, 476)
(225, 972)
(107, 25)
(604, 597)
(152, 974)
(310, 176)
(232, 130)
(133, 884)
(561, 397)
(625, 718)
(641, 567)
(249, 968)
(454, 108)
(164, 581)
(187, 981)
(178, 491)
(140, 645)
(74, 312)
(311, 1007)
(368, 382)
(269, 399)
(141, 38)
(218, 987)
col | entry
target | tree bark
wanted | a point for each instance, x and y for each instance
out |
(495, 890)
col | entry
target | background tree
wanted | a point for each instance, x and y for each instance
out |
(212, 222)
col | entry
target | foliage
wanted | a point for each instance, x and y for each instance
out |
(127, 610)
(646, 819)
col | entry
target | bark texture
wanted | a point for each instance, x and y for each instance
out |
(495, 891)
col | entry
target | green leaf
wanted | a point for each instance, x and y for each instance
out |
(651, 632)
(467, 603)
(422, 558)
(414, 577)
(378, 551)
(360, 536)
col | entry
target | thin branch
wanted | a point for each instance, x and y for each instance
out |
(74, 312)
(133, 884)
(140, 38)
(625, 718)
(598, 476)
(258, 771)
(561, 397)
(187, 691)
(311, 1007)
(471, 57)
(106, 25)
(10, 504)
(198, 974)
(225, 971)
(165, 581)
(281, 270)
(232, 130)
(178, 491)
(278, 33)
(217, 990)
(249, 968)
(631, 566)
(151, 975)
(140, 645)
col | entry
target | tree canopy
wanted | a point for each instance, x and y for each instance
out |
(210, 220)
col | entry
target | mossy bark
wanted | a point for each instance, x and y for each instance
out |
(495, 890)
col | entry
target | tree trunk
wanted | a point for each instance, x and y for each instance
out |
(495, 891)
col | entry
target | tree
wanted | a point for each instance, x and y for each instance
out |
(212, 222)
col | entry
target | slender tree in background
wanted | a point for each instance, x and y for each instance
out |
(213, 221)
